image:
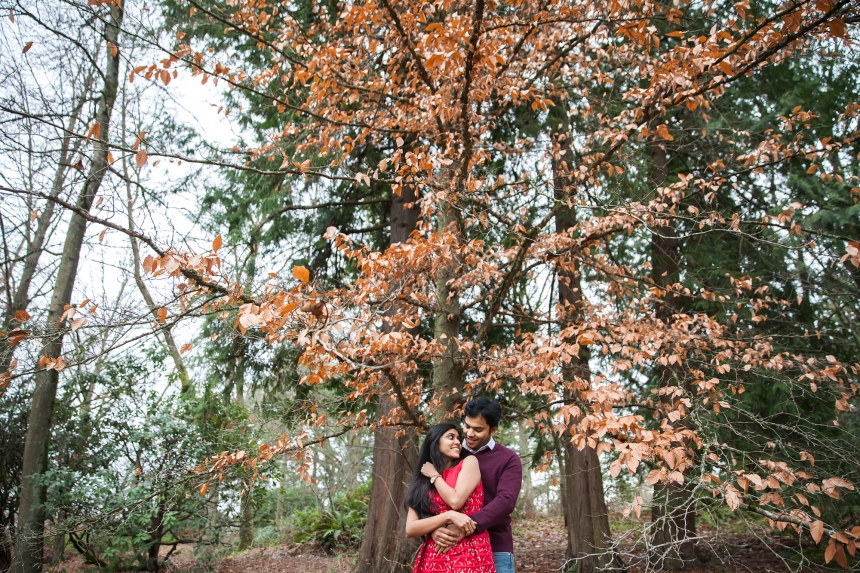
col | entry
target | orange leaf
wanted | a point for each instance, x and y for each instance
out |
(141, 157)
(816, 530)
(102, 235)
(22, 316)
(830, 552)
(204, 488)
(185, 348)
(139, 139)
(216, 244)
(16, 335)
(161, 315)
(77, 323)
(29, 45)
(302, 274)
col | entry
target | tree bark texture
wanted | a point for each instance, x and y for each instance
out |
(384, 546)
(448, 373)
(673, 509)
(30, 534)
(585, 514)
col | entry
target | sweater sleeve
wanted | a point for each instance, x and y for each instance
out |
(503, 504)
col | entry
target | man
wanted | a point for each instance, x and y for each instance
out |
(502, 476)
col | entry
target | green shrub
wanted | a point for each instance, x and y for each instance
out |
(338, 526)
(268, 535)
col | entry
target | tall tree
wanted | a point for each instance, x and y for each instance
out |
(384, 546)
(28, 544)
(585, 513)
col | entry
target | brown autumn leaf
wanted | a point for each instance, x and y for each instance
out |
(27, 47)
(139, 139)
(302, 274)
(94, 131)
(830, 552)
(11, 15)
(140, 158)
(216, 243)
(22, 316)
(816, 529)
(204, 488)
(102, 235)
(77, 323)
(161, 314)
(837, 27)
(16, 335)
(185, 348)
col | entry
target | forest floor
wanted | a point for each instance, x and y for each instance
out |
(539, 548)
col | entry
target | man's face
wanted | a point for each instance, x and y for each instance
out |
(478, 432)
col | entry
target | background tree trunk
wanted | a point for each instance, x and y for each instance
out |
(673, 509)
(585, 514)
(29, 539)
(167, 335)
(384, 547)
(526, 501)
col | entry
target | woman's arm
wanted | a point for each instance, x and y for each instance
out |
(419, 527)
(467, 481)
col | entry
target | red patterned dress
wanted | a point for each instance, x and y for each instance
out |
(473, 554)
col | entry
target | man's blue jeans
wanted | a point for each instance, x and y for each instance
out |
(504, 562)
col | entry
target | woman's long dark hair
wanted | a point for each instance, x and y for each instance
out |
(418, 494)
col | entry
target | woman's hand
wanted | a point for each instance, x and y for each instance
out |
(428, 470)
(462, 521)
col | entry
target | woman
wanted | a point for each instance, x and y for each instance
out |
(446, 490)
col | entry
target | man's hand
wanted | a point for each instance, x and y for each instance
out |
(447, 537)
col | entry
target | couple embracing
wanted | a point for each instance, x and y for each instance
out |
(462, 495)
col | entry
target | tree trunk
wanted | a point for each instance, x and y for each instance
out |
(246, 507)
(246, 519)
(157, 524)
(384, 547)
(527, 494)
(173, 349)
(59, 544)
(673, 509)
(29, 540)
(585, 515)
(448, 371)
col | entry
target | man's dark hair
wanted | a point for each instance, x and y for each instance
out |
(487, 408)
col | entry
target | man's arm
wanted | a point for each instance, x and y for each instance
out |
(507, 493)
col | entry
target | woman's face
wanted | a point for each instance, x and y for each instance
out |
(449, 444)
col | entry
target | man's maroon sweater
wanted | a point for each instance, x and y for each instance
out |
(502, 476)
